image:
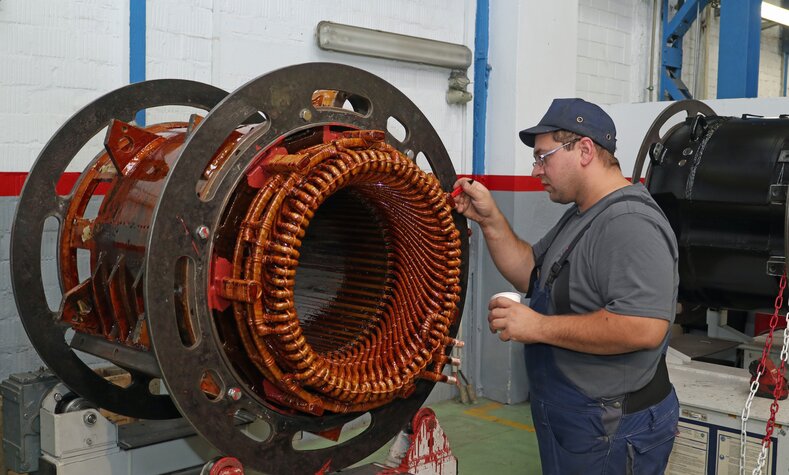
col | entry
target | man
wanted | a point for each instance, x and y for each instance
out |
(603, 295)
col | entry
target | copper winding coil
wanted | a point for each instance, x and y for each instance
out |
(371, 342)
(384, 324)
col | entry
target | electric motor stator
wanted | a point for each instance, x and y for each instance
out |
(279, 259)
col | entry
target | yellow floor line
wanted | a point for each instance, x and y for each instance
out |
(482, 413)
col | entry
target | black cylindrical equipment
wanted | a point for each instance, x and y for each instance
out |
(722, 182)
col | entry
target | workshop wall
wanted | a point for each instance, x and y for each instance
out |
(612, 38)
(227, 43)
(57, 57)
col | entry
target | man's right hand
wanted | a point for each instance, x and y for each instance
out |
(513, 257)
(475, 202)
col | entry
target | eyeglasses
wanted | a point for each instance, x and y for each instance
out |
(539, 160)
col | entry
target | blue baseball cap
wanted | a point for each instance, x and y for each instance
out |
(575, 115)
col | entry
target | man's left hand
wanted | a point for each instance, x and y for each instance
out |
(513, 321)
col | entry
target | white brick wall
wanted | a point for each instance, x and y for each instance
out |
(609, 49)
(179, 40)
(262, 36)
(16, 354)
(59, 56)
(771, 64)
(56, 57)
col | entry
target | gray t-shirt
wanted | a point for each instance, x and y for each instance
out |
(626, 263)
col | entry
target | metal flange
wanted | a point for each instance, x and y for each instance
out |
(690, 107)
(40, 201)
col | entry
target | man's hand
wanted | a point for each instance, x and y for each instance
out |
(513, 321)
(513, 257)
(475, 202)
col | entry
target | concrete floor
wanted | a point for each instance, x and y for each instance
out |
(486, 437)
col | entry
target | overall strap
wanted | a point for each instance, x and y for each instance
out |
(559, 227)
(535, 272)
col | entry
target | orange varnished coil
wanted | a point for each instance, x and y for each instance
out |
(387, 324)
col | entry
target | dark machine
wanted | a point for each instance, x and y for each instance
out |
(722, 182)
(278, 260)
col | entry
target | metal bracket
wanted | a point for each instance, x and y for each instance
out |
(671, 85)
(775, 266)
(22, 394)
(778, 193)
(457, 93)
(123, 356)
(699, 128)
(657, 153)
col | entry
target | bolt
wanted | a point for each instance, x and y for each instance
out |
(89, 419)
(89, 442)
(306, 115)
(83, 307)
(58, 397)
(87, 233)
(234, 393)
(203, 231)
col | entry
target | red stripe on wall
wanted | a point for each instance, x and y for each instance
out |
(508, 182)
(11, 182)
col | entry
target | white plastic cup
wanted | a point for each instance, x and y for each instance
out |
(514, 296)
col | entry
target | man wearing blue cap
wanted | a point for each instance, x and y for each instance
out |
(603, 291)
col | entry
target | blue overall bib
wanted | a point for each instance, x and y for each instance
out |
(629, 434)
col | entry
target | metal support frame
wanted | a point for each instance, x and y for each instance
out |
(85, 441)
(22, 394)
(671, 85)
(738, 57)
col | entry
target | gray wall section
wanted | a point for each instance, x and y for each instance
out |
(501, 367)
(16, 352)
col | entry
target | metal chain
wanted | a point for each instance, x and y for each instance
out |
(774, 406)
(746, 411)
